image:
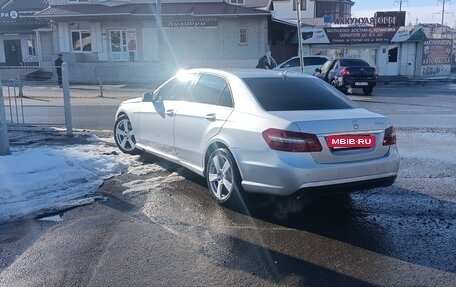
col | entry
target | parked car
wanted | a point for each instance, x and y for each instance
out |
(261, 131)
(348, 73)
(310, 64)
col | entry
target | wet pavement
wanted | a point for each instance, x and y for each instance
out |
(160, 226)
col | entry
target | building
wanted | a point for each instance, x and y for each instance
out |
(381, 39)
(119, 40)
(18, 42)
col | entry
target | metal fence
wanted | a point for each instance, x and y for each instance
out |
(31, 100)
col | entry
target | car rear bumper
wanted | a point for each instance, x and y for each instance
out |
(271, 173)
(358, 83)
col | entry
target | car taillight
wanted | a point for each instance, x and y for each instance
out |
(344, 72)
(390, 136)
(291, 141)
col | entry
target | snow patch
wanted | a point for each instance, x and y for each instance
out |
(50, 178)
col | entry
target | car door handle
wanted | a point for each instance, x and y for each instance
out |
(170, 113)
(210, 117)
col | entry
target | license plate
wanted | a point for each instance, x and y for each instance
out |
(351, 141)
(361, 83)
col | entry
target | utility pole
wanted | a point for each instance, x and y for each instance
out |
(443, 13)
(400, 3)
(298, 23)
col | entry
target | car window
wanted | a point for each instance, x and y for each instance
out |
(353, 63)
(178, 89)
(291, 63)
(208, 89)
(225, 98)
(294, 94)
(314, 61)
(326, 66)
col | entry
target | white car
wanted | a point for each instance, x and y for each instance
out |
(310, 64)
(261, 131)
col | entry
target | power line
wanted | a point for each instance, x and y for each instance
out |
(400, 3)
(443, 12)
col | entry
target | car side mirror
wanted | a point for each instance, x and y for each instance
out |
(148, 97)
(317, 70)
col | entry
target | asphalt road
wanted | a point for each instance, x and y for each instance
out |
(173, 234)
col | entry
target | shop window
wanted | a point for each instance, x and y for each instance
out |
(336, 53)
(352, 53)
(237, 2)
(392, 55)
(81, 40)
(372, 57)
(242, 36)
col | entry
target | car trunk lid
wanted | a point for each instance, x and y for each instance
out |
(352, 122)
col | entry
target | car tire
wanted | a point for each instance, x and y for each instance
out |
(124, 135)
(368, 91)
(223, 178)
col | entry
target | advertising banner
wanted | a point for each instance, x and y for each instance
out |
(360, 35)
(437, 57)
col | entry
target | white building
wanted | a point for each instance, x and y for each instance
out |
(119, 40)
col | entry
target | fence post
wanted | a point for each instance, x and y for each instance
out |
(4, 141)
(66, 99)
(100, 81)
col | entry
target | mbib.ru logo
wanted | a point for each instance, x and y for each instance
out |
(348, 141)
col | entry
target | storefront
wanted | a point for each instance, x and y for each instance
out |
(123, 42)
(17, 32)
(394, 50)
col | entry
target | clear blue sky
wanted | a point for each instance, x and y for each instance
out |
(418, 11)
(376, 4)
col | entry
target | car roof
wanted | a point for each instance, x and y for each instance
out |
(249, 73)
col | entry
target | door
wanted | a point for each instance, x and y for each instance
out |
(392, 67)
(13, 53)
(157, 117)
(202, 118)
(123, 45)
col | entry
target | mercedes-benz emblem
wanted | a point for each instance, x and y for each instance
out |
(355, 125)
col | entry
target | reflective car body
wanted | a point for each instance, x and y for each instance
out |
(310, 64)
(274, 125)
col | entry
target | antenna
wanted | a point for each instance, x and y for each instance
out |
(400, 3)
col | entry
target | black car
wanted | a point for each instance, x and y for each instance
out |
(348, 73)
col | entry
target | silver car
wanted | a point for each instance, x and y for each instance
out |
(260, 131)
(310, 64)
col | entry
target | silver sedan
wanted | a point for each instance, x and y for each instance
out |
(260, 131)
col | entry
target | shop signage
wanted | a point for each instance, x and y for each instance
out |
(189, 23)
(437, 57)
(9, 15)
(360, 35)
(380, 19)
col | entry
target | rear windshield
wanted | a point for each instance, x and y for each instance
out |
(353, 63)
(294, 94)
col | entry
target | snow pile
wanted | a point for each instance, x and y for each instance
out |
(49, 178)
